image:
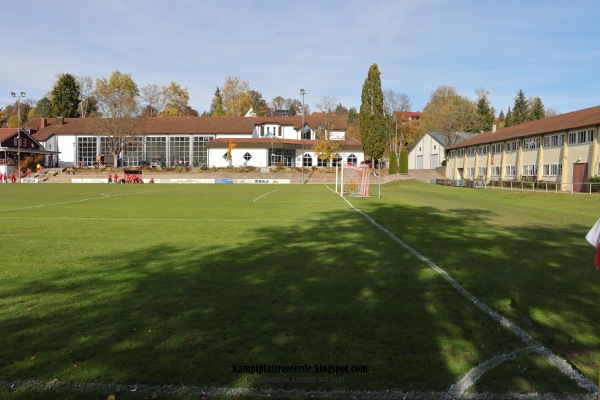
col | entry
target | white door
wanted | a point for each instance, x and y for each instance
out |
(434, 161)
(419, 162)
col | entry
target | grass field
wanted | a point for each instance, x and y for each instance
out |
(159, 288)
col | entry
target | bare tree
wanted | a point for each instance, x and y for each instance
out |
(395, 101)
(153, 99)
(86, 94)
(327, 104)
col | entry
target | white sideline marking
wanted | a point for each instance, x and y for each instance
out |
(260, 197)
(263, 393)
(158, 219)
(459, 388)
(536, 346)
(101, 196)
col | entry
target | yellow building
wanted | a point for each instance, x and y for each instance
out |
(561, 149)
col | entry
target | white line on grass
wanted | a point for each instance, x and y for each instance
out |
(157, 219)
(260, 197)
(552, 358)
(102, 196)
(459, 388)
(259, 393)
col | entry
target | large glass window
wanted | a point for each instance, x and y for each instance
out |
(156, 149)
(352, 159)
(86, 150)
(285, 156)
(179, 150)
(133, 152)
(200, 153)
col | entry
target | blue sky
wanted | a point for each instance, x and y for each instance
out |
(549, 49)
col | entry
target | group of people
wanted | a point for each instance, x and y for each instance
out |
(128, 179)
(4, 178)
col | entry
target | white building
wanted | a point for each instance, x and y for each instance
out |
(429, 151)
(259, 141)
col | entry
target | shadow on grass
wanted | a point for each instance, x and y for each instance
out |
(186, 315)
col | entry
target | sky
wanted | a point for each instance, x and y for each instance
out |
(549, 49)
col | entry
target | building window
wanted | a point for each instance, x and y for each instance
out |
(461, 153)
(495, 172)
(483, 150)
(452, 154)
(321, 163)
(581, 137)
(470, 172)
(552, 169)
(529, 170)
(352, 159)
(554, 140)
(199, 151)
(133, 152)
(481, 172)
(497, 148)
(512, 146)
(531, 143)
(336, 161)
(511, 170)
(307, 160)
(179, 150)
(156, 149)
(281, 156)
(247, 156)
(86, 150)
(470, 151)
(225, 156)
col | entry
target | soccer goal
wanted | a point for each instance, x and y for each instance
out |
(352, 180)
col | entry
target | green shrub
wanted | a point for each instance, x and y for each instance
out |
(393, 168)
(403, 161)
(595, 181)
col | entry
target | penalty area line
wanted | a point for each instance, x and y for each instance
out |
(260, 197)
(562, 365)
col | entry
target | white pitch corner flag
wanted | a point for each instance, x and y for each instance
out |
(593, 237)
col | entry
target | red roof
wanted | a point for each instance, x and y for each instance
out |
(559, 123)
(46, 128)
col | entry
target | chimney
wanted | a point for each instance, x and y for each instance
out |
(42, 123)
(60, 121)
(494, 128)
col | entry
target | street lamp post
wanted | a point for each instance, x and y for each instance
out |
(18, 96)
(302, 92)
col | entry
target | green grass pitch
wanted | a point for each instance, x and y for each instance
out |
(153, 285)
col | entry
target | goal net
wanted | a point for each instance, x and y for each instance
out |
(352, 180)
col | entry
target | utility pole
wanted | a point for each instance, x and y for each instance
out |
(18, 96)
(302, 92)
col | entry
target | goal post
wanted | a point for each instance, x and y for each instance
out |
(352, 180)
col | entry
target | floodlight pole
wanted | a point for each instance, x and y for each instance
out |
(302, 92)
(18, 96)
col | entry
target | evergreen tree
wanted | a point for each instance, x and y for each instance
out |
(509, 118)
(372, 118)
(403, 160)
(520, 112)
(393, 168)
(537, 110)
(65, 96)
(216, 107)
(485, 113)
(43, 108)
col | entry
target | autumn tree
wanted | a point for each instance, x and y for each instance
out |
(325, 147)
(258, 104)
(236, 96)
(65, 96)
(372, 119)
(117, 99)
(176, 99)
(394, 104)
(449, 113)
